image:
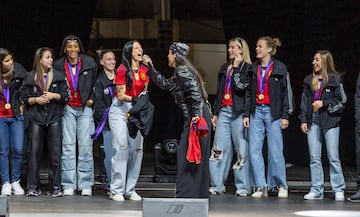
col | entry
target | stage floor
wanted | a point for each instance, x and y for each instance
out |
(226, 205)
(162, 186)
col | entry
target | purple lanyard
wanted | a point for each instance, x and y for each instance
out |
(74, 78)
(6, 92)
(228, 81)
(46, 81)
(318, 92)
(263, 77)
(111, 91)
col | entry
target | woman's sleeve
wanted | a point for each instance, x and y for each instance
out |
(192, 94)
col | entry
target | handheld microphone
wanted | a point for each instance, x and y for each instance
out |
(149, 62)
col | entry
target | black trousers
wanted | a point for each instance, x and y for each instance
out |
(52, 135)
(192, 180)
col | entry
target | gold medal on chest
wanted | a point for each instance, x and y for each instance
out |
(7, 106)
(227, 96)
(261, 96)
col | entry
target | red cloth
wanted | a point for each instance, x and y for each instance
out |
(197, 131)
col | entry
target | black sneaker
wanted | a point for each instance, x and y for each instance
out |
(355, 198)
(33, 192)
(56, 192)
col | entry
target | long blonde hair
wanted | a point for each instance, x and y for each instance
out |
(241, 43)
(328, 66)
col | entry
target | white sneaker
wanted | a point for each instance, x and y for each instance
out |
(212, 191)
(241, 193)
(6, 189)
(260, 192)
(68, 192)
(86, 192)
(117, 197)
(339, 196)
(16, 188)
(135, 196)
(283, 193)
(312, 196)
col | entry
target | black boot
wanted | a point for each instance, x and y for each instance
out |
(355, 197)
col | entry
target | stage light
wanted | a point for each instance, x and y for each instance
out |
(165, 157)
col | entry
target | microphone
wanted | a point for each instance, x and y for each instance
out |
(147, 62)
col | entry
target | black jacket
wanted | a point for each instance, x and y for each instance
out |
(281, 95)
(141, 116)
(51, 112)
(333, 97)
(185, 87)
(239, 83)
(102, 96)
(87, 76)
(17, 79)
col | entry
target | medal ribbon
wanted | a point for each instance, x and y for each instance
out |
(228, 81)
(74, 78)
(101, 126)
(111, 91)
(319, 91)
(6, 92)
(46, 81)
(263, 77)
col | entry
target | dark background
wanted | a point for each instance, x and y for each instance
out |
(302, 26)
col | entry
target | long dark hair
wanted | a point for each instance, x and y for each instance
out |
(126, 61)
(3, 53)
(4, 75)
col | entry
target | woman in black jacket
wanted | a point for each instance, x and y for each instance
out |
(187, 87)
(230, 134)
(104, 91)
(269, 104)
(11, 123)
(45, 93)
(322, 103)
(77, 170)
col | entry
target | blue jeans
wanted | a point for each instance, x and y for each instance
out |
(108, 150)
(127, 152)
(261, 124)
(77, 126)
(331, 137)
(11, 148)
(230, 136)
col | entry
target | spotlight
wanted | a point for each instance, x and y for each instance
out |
(165, 157)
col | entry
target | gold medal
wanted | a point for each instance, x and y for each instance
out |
(227, 96)
(261, 96)
(7, 106)
(75, 95)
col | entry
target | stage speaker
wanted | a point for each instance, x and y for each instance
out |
(179, 207)
(4, 206)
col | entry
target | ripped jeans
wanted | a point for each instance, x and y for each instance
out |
(127, 152)
(230, 137)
